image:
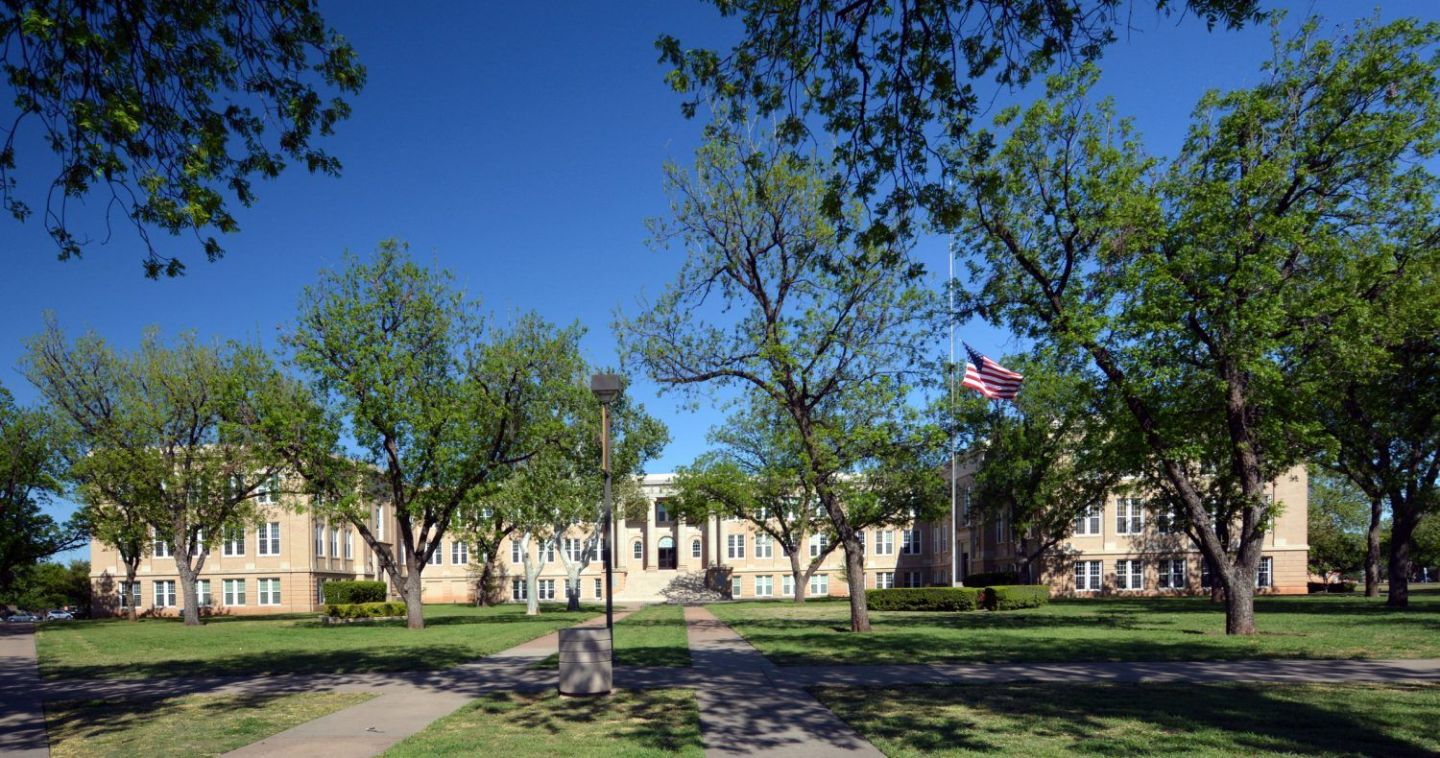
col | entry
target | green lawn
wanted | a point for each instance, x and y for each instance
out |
(150, 728)
(626, 723)
(1146, 719)
(453, 635)
(651, 636)
(1122, 629)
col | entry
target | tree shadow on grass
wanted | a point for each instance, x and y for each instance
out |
(273, 662)
(1389, 720)
(90, 719)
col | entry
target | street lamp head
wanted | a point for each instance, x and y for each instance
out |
(607, 387)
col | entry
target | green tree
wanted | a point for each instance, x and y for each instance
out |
(166, 110)
(186, 438)
(1045, 460)
(45, 586)
(1338, 516)
(894, 83)
(30, 475)
(440, 407)
(825, 328)
(1193, 290)
(756, 475)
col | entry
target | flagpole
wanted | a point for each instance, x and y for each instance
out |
(954, 522)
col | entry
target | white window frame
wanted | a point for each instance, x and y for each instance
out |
(737, 586)
(914, 579)
(545, 589)
(164, 593)
(1168, 578)
(637, 551)
(938, 537)
(334, 541)
(820, 585)
(695, 548)
(319, 540)
(234, 542)
(1091, 522)
(599, 588)
(1130, 575)
(734, 546)
(349, 543)
(787, 585)
(1089, 576)
(159, 546)
(459, 552)
(517, 552)
(884, 580)
(203, 598)
(268, 591)
(765, 585)
(519, 591)
(573, 546)
(134, 596)
(885, 542)
(910, 542)
(234, 592)
(818, 544)
(764, 546)
(1129, 515)
(437, 555)
(1265, 573)
(268, 539)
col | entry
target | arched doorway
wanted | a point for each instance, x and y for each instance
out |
(667, 553)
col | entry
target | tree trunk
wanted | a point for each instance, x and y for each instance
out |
(189, 596)
(132, 567)
(855, 577)
(414, 608)
(1240, 606)
(485, 585)
(572, 589)
(1402, 530)
(799, 576)
(1372, 549)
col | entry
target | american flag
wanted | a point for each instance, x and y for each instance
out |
(990, 378)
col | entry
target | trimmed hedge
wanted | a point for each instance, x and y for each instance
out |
(1002, 597)
(986, 579)
(1316, 587)
(364, 610)
(351, 591)
(924, 599)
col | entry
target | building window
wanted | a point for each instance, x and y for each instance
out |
(269, 591)
(202, 593)
(437, 555)
(518, 590)
(334, 542)
(638, 550)
(1002, 527)
(130, 594)
(764, 546)
(545, 589)
(885, 542)
(1172, 574)
(1089, 522)
(787, 586)
(662, 514)
(1206, 580)
(1168, 521)
(234, 543)
(695, 549)
(734, 546)
(1129, 515)
(197, 545)
(1088, 576)
(160, 547)
(267, 490)
(550, 551)
(965, 505)
(913, 579)
(818, 543)
(940, 542)
(1129, 575)
(1265, 577)
(320, 540)
(234, 591)
(165, 593)
(517, 556)
(599, 588)
(573, 547)
(764, 586)
(459, 553)
(884, 580)
(734, 586)
(268, 539)
(819, 585)
(860, 538)
(910, 542)
(349, 544)
(379, 523)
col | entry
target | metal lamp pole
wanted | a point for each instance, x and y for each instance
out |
(607, 388)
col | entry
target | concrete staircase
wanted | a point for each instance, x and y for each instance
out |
(666, 586)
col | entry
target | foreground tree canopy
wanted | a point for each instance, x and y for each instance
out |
(31, 472)
(1196, 289)
(166, 112)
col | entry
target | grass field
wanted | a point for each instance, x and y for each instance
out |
(627, 723)
(1146, 719)
(651, 636)
(289, 644)
(154, 728)
(1120, 629)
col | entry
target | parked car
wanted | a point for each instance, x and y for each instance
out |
(59, 615)
(22, 617)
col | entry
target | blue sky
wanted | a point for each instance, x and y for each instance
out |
(519, 145)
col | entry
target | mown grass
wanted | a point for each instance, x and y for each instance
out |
(627, 723)
(453, 634)
(652, 636)
(1146, 719)
(189, 725)
(1109, 629)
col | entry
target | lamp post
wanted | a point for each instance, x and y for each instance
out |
(607, 388)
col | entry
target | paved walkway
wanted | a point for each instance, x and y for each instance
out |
(748, 707)
(22, 720)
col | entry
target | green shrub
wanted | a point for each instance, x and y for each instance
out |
(1316, 587)
(349, 591)
(364, 610)
(1008, 597)
(986, 579)
(924, 599)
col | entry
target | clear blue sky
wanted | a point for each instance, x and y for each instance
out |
(519, 145)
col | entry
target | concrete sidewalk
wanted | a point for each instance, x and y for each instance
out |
(750, 707)
(22, 719)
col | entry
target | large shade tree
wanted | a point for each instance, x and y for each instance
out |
(31, 474)
(166, 112)
(183, 438)
(1191, 289)
(440, 407)
(825, 328)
